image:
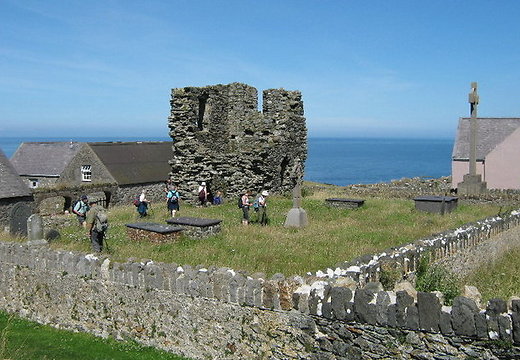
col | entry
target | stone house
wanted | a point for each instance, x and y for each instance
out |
(127, 167)
(136, 166)
(498, 152)
(16, 201)
(220, 137)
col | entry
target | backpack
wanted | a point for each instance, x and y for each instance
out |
(136, 201)
(101, 222)
(256, 205)
(174, 198)
(240, 205)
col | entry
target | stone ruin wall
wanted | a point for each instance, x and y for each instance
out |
(220, 137)
(220, 313)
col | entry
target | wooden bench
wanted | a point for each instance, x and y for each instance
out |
(153, 232)
(344, 203)
(197, 227)
(436, 204)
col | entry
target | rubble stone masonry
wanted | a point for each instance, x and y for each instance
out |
(220, 137)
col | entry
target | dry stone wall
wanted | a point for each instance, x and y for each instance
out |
(221, 138)
(220, 313)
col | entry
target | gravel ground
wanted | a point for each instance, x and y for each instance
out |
(467, 261)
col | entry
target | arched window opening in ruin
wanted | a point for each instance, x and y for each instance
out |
(67, 204)
(283, 169)
(108, 196)
(202, 110)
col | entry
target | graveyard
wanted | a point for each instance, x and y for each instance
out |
(333, 235)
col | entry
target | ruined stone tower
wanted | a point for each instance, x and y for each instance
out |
(220, 137)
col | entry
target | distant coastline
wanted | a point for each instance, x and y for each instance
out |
(337, 161)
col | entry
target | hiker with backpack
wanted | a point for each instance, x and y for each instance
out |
(244, 204)
(80, 208)
(97, 225)
(142, 207)
(172, 199)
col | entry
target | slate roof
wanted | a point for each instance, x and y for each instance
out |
(135, 162)
(490, 133)
(44, 158)
(10, 183)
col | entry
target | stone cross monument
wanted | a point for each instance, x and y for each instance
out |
(472, 183)
(473, 103)
(297, 217)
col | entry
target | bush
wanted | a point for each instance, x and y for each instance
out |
(432, 277)
(391, 273)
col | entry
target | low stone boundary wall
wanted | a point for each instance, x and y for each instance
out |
(368, 267)
(219, 313)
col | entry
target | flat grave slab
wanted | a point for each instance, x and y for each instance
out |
(436, 204)
(344, 203)
(153, 232)
(197, 227)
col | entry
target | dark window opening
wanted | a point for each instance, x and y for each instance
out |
(202, 109)
(283, 168)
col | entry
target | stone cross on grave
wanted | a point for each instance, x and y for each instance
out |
(473, 101)
(472, 183)
(297, 217)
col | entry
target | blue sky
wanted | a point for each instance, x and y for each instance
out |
(365, 68)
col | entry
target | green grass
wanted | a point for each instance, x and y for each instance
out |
(333, 235)
(22, 339)
(498, 279)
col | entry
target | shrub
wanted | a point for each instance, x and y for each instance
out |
(434, 277)
(391, 273)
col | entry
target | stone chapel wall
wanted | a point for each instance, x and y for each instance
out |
(220, 137)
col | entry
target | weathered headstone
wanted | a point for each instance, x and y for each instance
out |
(34, 227)
(18, 220)
(297, 217)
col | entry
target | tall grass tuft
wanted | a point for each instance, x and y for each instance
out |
(434, 277)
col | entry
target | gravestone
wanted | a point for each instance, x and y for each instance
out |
(197, 228)
(297, 217)
(34, 227)
(436, 204)
(344, 203)
(18, 220)
(153, 232)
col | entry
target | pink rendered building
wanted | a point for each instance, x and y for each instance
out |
(498, 152)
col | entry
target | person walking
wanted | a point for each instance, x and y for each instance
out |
(172, 200)
(203, 194)
(245, 207)
(97, 225)
(80, 209)
(262, 208)
(142, 208)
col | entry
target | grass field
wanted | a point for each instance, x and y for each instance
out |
(21, 339)
(333, 235)
(498, 279)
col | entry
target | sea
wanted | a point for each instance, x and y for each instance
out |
(338, 161)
